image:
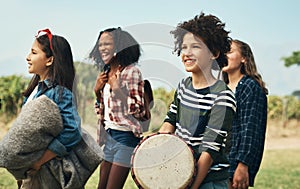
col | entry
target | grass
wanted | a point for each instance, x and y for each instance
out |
(279, 170)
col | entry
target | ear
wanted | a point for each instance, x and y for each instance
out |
(50, 61)
(214, 57)
(243, 61)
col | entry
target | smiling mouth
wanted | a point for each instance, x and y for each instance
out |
(189, 61)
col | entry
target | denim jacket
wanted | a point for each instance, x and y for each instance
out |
(70, 135)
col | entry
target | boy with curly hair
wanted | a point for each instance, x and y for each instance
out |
(203, 106)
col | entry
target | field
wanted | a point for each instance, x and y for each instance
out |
(280, 167)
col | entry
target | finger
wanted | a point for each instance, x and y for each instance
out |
(103, 76)
(242, 185)
(234, 185)
(97, 112)
(118, 74)
(31, 172)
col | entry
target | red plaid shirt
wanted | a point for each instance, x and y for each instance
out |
(126, 113)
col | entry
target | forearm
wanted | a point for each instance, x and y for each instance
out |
(250, 144)
(167, 128)
(99, 85)
(47, 156)
(204, 163)
(98, 94)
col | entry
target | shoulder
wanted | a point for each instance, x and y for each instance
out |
(225, 96)
(247, 85)
(60, 94)
(131, 71)
(221, 89)
(248, 90)
(185, 82)
(131, 68)
(219, 86)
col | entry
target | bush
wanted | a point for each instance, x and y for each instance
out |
(11, 88)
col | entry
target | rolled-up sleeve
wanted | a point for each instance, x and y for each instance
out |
(70, 135)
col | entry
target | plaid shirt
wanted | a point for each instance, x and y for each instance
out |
(126, 113)
(249, 127)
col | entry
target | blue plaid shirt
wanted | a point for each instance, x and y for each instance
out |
(249, 127)
(70, 135)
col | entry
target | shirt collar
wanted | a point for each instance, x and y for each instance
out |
(45, 84)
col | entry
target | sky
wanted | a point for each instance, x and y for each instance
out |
(270, 27)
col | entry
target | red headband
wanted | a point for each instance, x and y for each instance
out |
(49, 35)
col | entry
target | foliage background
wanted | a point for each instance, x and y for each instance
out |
(280, 167)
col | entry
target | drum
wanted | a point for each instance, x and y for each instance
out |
(163, 161)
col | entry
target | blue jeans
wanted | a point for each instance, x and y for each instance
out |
(119, 146)
(223, 184)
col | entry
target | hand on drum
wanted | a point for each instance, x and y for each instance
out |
(167, 128)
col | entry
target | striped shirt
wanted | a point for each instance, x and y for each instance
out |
(203, 118)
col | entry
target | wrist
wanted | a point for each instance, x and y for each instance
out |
(242, 166)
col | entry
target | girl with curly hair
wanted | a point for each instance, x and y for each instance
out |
(119, 89)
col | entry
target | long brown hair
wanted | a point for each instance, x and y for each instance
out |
(249, 67)
(62, 71)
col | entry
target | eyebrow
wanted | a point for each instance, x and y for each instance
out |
(193, 43)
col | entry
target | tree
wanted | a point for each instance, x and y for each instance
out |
(293, 59)
(86, 75)
(296, 94)
(11, 88)
(162, 101)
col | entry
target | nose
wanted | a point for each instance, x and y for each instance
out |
(28, 57)
(187, 51)
(102, 47)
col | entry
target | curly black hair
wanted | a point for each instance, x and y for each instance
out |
(211, 30)
(127, 49)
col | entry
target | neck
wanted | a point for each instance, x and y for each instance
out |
(114, 66)
(43, 76)
(234, 78)
(201, 80)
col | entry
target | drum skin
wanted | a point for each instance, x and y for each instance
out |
(163, 161)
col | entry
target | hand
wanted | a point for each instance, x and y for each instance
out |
(48, 155)
(241, 177)
(34, 169)
(31, 172)
(102, 78)
(36, 166)
(167, 128)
